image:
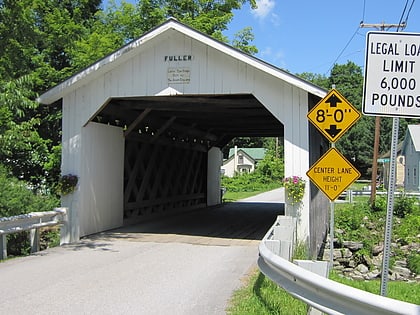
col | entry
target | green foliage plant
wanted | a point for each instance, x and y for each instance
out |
(413, 262)
(295, 188)
(67, 184)
(404, 205)
(15, 199)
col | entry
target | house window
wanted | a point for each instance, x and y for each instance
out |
(408, 176)
(414, 176)
(240, 159)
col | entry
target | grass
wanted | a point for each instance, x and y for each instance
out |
(261, 296)
(231, 196)
(403, 291)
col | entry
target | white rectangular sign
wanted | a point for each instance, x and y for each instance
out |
(392, 75)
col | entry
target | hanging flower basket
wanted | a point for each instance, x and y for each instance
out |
(67, 184)
(295, 188)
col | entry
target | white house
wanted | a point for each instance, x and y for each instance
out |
(242, 160)
(411, 152)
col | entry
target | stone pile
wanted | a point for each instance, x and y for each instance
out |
(351, 263)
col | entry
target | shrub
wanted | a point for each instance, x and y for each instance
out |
(404, 205)
(413, 263)
(408, 228)
(16, 198)
(380, 204)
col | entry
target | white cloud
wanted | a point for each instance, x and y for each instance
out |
(275, 57)
(264, 7)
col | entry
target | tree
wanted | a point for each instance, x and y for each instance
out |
(357, 143)
(242, 41)
(44, 41)
(118, 25)
(35, 34)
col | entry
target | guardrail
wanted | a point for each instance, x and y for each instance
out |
(323, 294)
(29, 222)
(349, 194)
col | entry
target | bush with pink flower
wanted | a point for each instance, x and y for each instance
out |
(295, 188)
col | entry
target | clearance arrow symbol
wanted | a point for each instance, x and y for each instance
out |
(333, 131)
(333, 115)
(333, 100)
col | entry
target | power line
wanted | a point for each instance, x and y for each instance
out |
(402, 15)
(345, 47)
(351, 38)
(364, 11)
(409, 11)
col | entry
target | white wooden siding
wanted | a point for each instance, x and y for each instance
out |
(142, 71)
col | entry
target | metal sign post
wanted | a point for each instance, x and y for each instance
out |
(332, 173)
(391, 89)
(390, 206)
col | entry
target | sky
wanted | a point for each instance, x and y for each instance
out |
(311, 36)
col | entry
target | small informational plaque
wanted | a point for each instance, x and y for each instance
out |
(179, 75)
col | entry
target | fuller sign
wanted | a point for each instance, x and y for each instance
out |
(392, 72)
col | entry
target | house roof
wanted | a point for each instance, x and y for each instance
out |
(413, 132)
(254, 153)
(124, 53)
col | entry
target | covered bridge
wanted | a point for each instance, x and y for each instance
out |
(143, 128)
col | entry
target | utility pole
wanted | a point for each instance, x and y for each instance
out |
(382, 27)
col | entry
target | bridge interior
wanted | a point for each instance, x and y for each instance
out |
(239, 223)
(167, 139)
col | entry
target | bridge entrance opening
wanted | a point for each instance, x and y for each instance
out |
(167, 140)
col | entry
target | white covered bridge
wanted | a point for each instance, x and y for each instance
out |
(143, 128)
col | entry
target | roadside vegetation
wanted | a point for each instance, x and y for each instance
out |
(359, 222)
(16, 198)
(268, 174)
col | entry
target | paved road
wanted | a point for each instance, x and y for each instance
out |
(184, 264)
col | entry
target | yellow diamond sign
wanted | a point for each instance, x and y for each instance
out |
(333, 115)
(332, 173)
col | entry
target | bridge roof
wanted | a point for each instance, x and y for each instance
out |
(210, 111)
(114, 59)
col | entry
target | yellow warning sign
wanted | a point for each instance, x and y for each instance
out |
(333, 115)
(332, 173)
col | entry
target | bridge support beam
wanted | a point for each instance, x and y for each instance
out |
(214, 161)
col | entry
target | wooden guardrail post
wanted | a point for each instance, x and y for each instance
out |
(32, 222)
(34, 237)
(3, 246)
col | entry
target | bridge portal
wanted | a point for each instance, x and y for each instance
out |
(143, 128)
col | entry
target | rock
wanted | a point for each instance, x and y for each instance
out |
(377, 249)
(339, 231)
(372, 275)
(401, 263)
(394, 276)
(357, 277)
(353, 246)
(337, 254)
(362, 269)
(346, 253)
(352, 263)
(404, 272)
(368, 266)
